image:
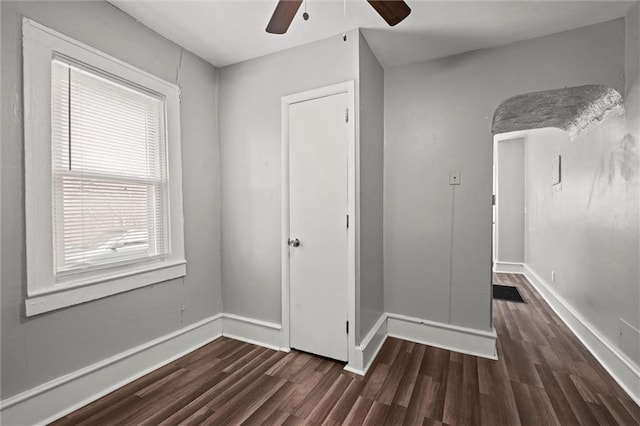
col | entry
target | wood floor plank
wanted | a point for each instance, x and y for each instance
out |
(435, 364)
(617, 410)
(584, 390)
(162, 401)
(317, 393)
(408, 380)
(632, 408)
(576, 402)
(180, 399)
(437, 410)
(529, 415)
(543, 376)
(109, 413)
(289, 366)
(196, 418)
(389, 351)
(359, 411)
(294, 421)
(321, 411)
(602, 414)
(244, 403)
(196, 404)
(395, 415)
(422, 400)
(302, 389)
(159, 384)
(376, 414)
(113, 398)
(347, 400)
(543, 406)
(494, 411)
(561, 406)
(453, 396)
(392, 382)
(432, 422)
(260, 415)
(375, 380)
(277, 418)
(470, 403)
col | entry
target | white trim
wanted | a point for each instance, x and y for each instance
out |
(43, 35)
(495, 236)
(499, 266)
(61, 396)
(60, 297)
(499, 137)
(256, 332)
(368, 349)
(40, 44)
(623, 370)
(508, 267)
(446, 336)
(347, 87)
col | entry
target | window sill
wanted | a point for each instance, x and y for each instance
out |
(102, 286)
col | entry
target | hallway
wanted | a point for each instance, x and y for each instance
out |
(552, 376)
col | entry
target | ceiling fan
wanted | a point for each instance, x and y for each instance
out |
(392, 11)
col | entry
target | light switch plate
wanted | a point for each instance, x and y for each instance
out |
(454, 177)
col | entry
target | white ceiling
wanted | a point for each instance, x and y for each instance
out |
(224, 32)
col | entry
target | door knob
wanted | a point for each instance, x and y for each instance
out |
(294, 243)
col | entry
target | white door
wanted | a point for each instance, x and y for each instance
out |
(318, 135)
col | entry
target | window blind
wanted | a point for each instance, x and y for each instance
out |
(110, 199)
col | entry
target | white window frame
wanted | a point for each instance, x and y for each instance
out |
(45, 291)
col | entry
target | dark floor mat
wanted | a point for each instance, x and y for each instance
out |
(505, 292)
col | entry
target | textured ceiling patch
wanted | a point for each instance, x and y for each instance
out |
(571, 109)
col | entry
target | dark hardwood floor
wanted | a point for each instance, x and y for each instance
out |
(544, 376)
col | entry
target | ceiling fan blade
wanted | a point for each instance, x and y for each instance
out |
(283, 15)
(392, 11)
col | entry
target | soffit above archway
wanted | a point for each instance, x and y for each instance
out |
(570, 109)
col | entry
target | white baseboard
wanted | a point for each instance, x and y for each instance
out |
(446, 336)
(256, 332)
(508, 267)
(59, 397)
(618, 365)
(366, 352)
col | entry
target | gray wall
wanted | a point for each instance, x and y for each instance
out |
(510, 201)
(588, 231)
(250, 149)
(632, 105)
(438, 118)
(371, 189)
(41, 348)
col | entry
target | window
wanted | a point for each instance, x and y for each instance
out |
(109, 171)
(102, 174)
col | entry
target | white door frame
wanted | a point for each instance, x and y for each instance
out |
(347, 87)
(495, 229)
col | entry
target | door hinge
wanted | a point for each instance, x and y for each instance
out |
(347, 221)
(347, 327)
(346, 115)
(493, 199)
